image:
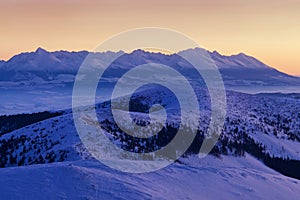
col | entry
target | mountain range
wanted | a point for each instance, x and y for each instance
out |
(61, 67)
(43, 157)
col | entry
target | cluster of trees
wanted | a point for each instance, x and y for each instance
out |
(139, 145)
(13, 122)
(22, 150)
(235, 140)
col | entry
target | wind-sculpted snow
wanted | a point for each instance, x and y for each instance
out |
(209, 178)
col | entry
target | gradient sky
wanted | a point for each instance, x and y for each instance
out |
(266, 29)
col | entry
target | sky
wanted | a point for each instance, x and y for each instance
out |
(266, 29)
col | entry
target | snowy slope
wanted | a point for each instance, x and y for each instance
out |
(272, 121)
(244, 70)
(237, 61)
(209, 178)
(256, 124)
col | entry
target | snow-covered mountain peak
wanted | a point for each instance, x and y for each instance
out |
(238, 69)
(140, 53)
(240, 60)
(215, 53)
(41, 51)
(194, 51)
(249, 61)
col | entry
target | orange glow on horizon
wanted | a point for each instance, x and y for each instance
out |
(268, 30)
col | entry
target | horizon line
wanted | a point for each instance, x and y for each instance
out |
(147, 50)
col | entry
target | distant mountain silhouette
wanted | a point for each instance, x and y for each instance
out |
(42, 66)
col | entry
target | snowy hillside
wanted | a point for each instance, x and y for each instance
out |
(209, 178)
(265, 127)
